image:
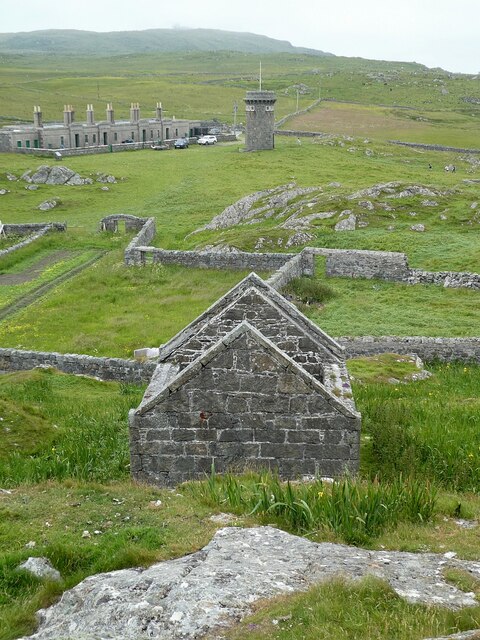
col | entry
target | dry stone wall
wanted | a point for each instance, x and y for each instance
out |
(37, 230)
(103, 368)
(428, 349)
(347, 263)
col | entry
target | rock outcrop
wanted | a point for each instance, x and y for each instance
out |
(216, 586)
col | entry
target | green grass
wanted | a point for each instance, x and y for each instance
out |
(58, 426)
(355, 511)
(134, 307)
(343, 610)
(373, 307)
(429, 428)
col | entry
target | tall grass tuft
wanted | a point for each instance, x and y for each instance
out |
(356, 511)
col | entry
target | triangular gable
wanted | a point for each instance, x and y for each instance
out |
(193, 369)
(270, 296)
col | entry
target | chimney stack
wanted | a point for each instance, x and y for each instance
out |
(110, 113)
(37, 117)
(90, 114)
(68, 114)
(159, 110)
(134, 112)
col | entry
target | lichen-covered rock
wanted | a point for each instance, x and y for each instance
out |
(56, 175)
(188, 597)
(47, 205)
(347, 224)
(41, 568)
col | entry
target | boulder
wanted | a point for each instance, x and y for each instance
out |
(47, 205)
(41, 568)
(417, 227)
(347, 224)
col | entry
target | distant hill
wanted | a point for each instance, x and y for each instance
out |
(70, 41)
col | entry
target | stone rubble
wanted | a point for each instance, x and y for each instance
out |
(213, 588)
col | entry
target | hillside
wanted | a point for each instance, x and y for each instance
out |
(151, 40)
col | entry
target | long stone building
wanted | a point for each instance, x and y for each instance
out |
(71, 134)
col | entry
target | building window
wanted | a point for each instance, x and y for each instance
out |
(94, 138)
(115, 136)
(86, 138)
(176, 133)
(27, 144)
(62, 141)
(151, 134)
(132, 136)
(19, 143)
(49, 145)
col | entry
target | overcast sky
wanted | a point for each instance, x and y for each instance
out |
(441, 33)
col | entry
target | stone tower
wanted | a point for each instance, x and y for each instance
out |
(260, 120)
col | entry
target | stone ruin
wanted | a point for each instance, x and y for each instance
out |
(251, 383)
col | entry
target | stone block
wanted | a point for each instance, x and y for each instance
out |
(271, 434)
(279, 451)
(308, 436)
(195, 449)
(183, 435)
(235, 435)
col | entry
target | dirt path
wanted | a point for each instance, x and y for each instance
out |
(35, 294)
(35, 269)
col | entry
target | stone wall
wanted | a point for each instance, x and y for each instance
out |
(429, 349)
(242, 405)
(453, 279)
(302, 264)
(433, 147)
(103, 368)
(132, 223)
(26, 228)
(350, 263)
(213, 259)
(133, 254)
(41, 229)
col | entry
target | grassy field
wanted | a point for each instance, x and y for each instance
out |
(64, 454)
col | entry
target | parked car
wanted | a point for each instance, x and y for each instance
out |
(160, 147)
(207, 140)
(181, 143)
(127, 141)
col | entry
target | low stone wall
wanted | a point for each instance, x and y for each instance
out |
(23, 229)
(282, 121)
(453, 279)
(133, 254)
(110, 223)
(84, 151)
(443, 349)
(301, 134)
(433, 147)
(30, 227)
(350, 263)
(302, 264)
(212, 259)
(103, 368)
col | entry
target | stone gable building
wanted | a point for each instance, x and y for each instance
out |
(251, 383)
